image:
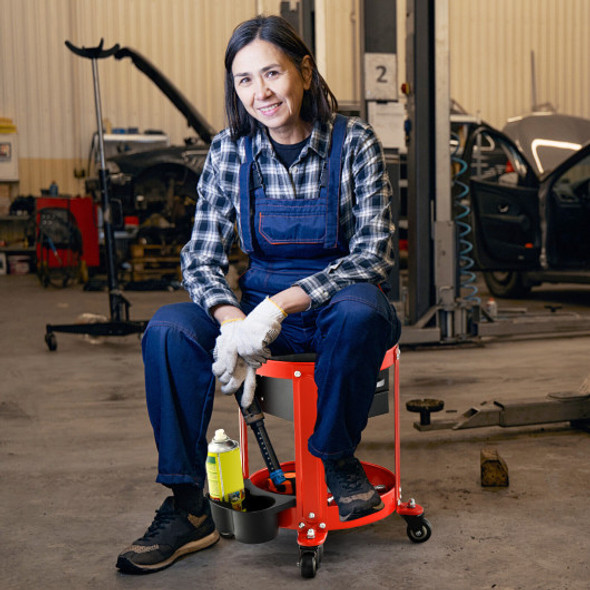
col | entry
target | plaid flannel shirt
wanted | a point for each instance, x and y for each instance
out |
(365, 216)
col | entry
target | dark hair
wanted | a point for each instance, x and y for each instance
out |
(318, 102)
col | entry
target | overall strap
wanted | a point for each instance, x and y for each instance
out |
(245, 203)
(333, 189)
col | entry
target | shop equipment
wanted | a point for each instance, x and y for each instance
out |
(565, 406)
(59, 247)
(286, 388)
(66, 238)
(119, 324)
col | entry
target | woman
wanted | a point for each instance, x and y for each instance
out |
(308, 194)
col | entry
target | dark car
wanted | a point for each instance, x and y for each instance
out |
(547, 139)
(529, 195)
(158, 186)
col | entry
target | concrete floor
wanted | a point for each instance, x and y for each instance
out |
(77, 466)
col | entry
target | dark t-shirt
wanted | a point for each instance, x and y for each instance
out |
(288, 153)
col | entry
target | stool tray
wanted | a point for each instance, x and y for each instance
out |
(259, 523)
(383, 480)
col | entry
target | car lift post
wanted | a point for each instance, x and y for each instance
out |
(379, 104)
(436, 312)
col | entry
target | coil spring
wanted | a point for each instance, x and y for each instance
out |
(467, 278)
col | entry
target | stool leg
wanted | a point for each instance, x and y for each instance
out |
(312, 504)
(396, 426)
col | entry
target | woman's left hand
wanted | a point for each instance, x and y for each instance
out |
(260, 328)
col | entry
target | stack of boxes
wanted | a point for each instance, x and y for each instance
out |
(8, 162)
(8, 176)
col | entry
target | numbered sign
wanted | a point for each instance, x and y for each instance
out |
(380, 76)
(387, 119)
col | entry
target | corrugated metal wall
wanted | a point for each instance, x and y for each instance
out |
(337, 49)
(36, 87)
(491, 44)
(490, 53)
(48, 91)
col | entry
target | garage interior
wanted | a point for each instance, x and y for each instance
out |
(77, 454)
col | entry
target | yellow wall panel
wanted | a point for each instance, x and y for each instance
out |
(491, 45)
(337, 46)
(48, 91)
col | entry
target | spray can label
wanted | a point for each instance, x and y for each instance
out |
(224, 471)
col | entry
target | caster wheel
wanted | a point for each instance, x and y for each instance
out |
(51, 341)
(420, 534)
(308, 564)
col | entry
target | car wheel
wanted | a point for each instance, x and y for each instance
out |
(506, 284)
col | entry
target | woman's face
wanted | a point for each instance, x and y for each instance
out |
(270, 87)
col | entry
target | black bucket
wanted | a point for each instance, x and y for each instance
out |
(259, 523)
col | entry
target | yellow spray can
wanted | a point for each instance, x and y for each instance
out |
(224, 471)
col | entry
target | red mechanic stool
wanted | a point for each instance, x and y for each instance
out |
(287, 389)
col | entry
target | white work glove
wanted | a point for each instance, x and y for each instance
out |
(231, 370)
(261, 327)
(225, 353)
(244, 375)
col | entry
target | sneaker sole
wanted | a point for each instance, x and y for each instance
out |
(127, 566)
(367, 512)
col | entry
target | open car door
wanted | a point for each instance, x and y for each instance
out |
(504, 202)
(565, 195)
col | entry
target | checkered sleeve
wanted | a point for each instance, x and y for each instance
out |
(205, 258)
(365, 219)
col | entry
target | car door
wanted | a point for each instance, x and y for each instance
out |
(503, 201)
(565, 198)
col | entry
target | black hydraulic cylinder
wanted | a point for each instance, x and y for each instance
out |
(254, 417)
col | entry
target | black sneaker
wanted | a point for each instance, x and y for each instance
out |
(173, 533)
(352, 491)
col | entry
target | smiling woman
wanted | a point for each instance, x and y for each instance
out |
(271, 89)
(305, 191)
(279, 43)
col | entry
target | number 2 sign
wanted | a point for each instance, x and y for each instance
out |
(380, 76)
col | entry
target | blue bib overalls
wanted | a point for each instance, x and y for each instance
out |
(286, 241)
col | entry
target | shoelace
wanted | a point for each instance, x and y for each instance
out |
(349, 476)
(161, 521)
(352, 478)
